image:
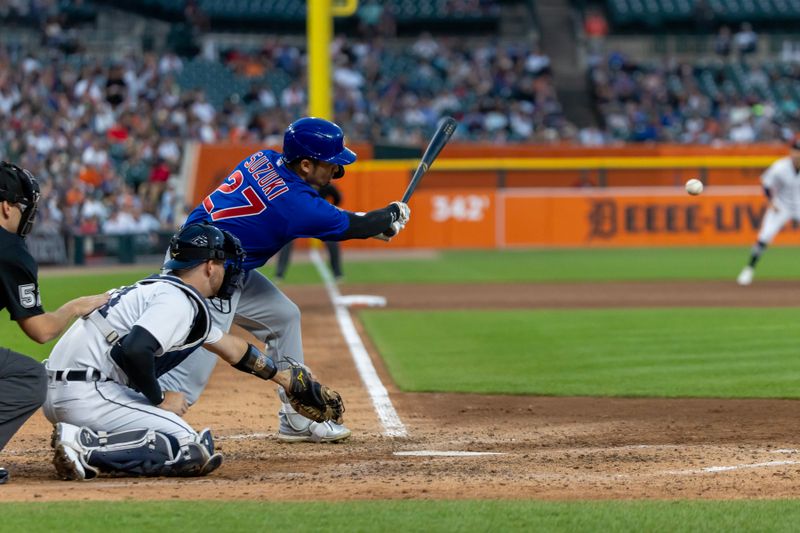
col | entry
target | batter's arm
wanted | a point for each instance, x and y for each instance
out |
(364, 226)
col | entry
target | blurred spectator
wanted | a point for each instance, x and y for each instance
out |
(370, 13)
(116, 89)
(745, 40)
(595, 25)
(723, 42)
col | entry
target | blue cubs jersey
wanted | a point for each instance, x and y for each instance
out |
(266, 205)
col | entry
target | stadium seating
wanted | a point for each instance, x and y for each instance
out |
(671, 13)
(249, 12)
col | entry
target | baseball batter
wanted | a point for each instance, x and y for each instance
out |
(23, 383)
(109, 410)
(781, 183)
(268, 200)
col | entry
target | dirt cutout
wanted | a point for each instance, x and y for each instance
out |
(546, 448)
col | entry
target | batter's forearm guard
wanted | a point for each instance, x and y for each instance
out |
(369, 224)
(257, 363)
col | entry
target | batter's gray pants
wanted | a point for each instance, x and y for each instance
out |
(262, 309)
(23, 388)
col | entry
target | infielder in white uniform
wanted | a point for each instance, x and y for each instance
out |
(109, 410)
(781, 182)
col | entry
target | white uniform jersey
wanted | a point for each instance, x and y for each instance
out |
(165, 310)
(784, 181)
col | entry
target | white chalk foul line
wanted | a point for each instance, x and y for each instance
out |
(711, 469)
(245, 436)
(392, 425)
(438, 453)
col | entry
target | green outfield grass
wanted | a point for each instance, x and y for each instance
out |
(503, 266)
(409, 516)
(602, 352)
(473, 266)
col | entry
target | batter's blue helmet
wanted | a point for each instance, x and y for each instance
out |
(316, 138)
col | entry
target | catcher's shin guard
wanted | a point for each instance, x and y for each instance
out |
(142, 452)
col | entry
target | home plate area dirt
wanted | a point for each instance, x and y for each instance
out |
(539, 447)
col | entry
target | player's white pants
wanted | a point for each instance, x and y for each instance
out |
(773, 222)
(259, 307)
(110, 406)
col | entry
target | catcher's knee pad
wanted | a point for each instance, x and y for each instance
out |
(146, 452)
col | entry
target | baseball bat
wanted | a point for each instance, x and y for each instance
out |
(439, 139)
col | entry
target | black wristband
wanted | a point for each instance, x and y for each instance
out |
(256, 363)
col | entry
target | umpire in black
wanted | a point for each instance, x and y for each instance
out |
(23, 381)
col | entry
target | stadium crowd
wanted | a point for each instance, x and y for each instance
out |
(105, 134)
(103, 139)
(673, 101)
(500, 92)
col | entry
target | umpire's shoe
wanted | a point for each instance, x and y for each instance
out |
(295, 427)
(3, 476)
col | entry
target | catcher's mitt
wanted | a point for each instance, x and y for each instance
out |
(312, 399)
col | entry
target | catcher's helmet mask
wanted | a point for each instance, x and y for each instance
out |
(18, 186)
(197, 243)
(317, 139)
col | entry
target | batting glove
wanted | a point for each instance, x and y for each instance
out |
(405, 212)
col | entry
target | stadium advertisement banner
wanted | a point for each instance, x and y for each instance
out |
(458, 218)
(636, 217)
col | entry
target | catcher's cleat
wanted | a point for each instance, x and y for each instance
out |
(3, 476)
(67, 458)
(214, 462)
(69, 467)
(745, 276)
(294, 427)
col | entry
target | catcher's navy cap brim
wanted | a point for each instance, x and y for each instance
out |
(345, 157)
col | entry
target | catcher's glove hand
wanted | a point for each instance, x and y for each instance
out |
(312, 399)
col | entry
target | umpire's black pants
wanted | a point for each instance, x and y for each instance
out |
(23, 389)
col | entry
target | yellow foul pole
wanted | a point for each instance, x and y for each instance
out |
(319, 32)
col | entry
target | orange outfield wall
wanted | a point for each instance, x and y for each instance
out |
(213, 162)
(636, 217)
(465, 208)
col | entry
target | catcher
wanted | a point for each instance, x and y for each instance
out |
(109, 410)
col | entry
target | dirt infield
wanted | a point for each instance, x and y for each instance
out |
(548, 448)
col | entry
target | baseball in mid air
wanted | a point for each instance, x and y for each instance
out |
(694, 186)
